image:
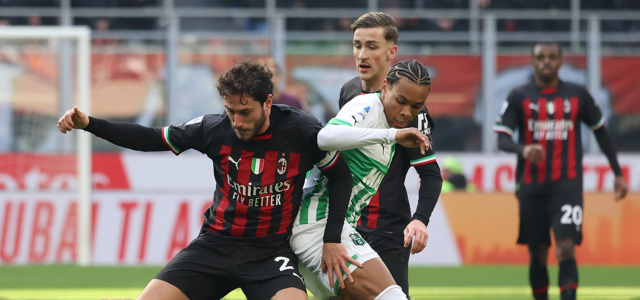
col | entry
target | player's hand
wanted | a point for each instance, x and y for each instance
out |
(620, 188)
(419, 230)
(334, 258)
(534, 153)
(412, 138)
(73, 119)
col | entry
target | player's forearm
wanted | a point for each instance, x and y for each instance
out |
(127, 135)
(604, 141)
(506, 143)
(340, 185)
(430, 188)
(342, 137)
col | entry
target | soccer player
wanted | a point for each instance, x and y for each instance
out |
(386, 223)
(366, 130)
(547, 113)
(261, 153)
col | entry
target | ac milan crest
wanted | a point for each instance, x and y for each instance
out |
(282, 166)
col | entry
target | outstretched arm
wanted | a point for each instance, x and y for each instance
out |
(344, 137)
(127, 135)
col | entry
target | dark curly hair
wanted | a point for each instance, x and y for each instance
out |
(248, 78)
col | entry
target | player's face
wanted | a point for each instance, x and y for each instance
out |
(546, 60)
(403, 101)
(248, 118)
(372, 52)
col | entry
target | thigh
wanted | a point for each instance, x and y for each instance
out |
(394, 255)
(306, 241)
(268, 271)
(199, 271)
(369, 281)
(566, 212)
(535, 221)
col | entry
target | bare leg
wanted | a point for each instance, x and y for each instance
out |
(290, 293)
(161, 290)
(370, 281)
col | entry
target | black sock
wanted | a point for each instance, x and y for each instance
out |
(539, 280)
(568, 279)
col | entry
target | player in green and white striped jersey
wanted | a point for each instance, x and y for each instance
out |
(365, 131)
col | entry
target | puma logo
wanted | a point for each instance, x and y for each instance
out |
(234, 162)
(301, 279)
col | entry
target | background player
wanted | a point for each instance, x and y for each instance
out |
(547, 113)
(366, 128)
(261, 153)
(386, 223)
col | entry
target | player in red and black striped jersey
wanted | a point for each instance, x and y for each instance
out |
(261, 153)
(386, 223)
(547, 113)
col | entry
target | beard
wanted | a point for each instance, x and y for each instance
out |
(254, 129)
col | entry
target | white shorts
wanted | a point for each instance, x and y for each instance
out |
(307, 241)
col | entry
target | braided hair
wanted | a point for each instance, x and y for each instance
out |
(410, 69)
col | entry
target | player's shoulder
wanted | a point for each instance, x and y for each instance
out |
(292, 118)
(353, 85)
(574, 88)
(350, 90)
(207, 121)
(372, 100)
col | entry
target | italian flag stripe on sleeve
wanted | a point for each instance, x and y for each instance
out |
(597, 125)
(165, 138)
(502, 128)
(423, 160)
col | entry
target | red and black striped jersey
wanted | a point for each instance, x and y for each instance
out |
(551, 118)
(258, 182)
(389, 211)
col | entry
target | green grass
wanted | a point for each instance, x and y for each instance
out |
(476, 282)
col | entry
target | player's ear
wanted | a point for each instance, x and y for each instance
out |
(267, 104)
(392, 52)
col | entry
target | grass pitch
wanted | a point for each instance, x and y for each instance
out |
(61, 282)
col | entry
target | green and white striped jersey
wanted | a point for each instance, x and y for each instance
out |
(368, 164)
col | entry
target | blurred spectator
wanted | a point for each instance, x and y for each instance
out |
(280, 97)
(33, 20)
(454, 179)
(446, 24)
(95, 23)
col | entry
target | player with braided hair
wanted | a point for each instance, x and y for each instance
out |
(387, 223)
(366, 131)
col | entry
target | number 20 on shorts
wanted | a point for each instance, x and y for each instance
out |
(572, 215)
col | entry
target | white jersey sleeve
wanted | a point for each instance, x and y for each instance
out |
(355, 126)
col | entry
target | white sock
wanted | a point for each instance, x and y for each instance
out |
(393, 292)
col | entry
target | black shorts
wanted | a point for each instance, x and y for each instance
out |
(394, 255)
(214, 265)
(562, 211)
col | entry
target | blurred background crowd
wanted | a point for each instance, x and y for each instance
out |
(250, 24)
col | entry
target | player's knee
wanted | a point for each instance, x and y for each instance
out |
(393, 292)
(538, 255)
(565, 250)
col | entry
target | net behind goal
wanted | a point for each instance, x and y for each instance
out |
(45, 176)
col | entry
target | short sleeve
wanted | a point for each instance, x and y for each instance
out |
(591, 114)
(507, 122)
(425, 124)
(189, 135)
(354, 112)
